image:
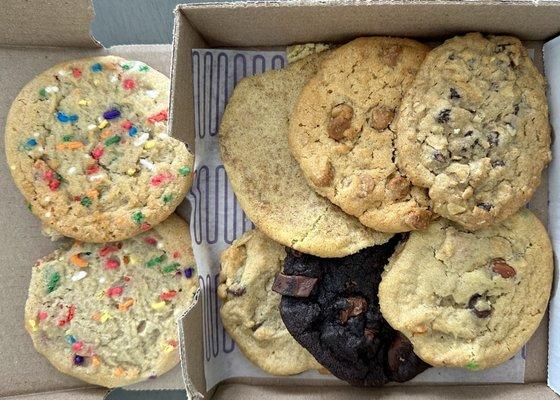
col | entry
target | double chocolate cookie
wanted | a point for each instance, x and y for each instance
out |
(330, 307)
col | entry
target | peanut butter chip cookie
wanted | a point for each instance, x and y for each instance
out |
(87, 146)
(473, 128)
(249, 309)
(106, 313)
(342, 137)
(469, 299)
(266, 179)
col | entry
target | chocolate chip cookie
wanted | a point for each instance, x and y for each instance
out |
(330, 307)
(341, 132)
(266, 179)
(249, 308)
(473, 128)
(469, 299)
(87, 145)
(107, 313)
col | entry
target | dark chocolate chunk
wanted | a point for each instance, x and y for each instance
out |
(493, 138)
(454, 94)
(498, 163)
(237, 291)
(356, 306)
(296, 286)
(340, 323)
(478, 313)
(443, 116)
(485, 206)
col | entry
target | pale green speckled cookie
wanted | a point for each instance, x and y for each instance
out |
(469, 299)
(106, 313)
(87, 145)
(249, 309)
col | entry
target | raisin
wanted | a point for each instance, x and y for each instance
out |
(438, 156)
(443, 116)
(493, 139)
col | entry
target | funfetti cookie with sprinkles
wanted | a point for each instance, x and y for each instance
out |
(87, 145)
(106, 313)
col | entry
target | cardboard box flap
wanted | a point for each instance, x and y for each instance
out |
(286, 22)
(552, 69)
(59, 23)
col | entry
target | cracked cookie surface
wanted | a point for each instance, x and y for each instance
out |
(342, 137)
(266, 179)
(330, 306)
(87, 145)
(473, 128)
(106, 313)
(249, 308)
(469, 299)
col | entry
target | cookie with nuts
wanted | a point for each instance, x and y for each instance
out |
(330, 307)
(341, 132)
(249, 308)
(267, 181)
(469, 299)
(473, 129)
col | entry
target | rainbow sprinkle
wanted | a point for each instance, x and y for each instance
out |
(112, 140)
(97, 67)
(53, 282)
(184, 171)
(155, 261)
(138, 217)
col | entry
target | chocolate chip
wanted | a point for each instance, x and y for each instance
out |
(468, 133)
(478, 313)
(356, 306)
(369, 334)
(293, 285)
(443, 116)
(451, 57)
(381, 117)
(438, 156)
(499, 266)
(454, 94)
(341, 120)
(257, 326)
(493, 138)
(237, 291)
(516, 109)
(498, 163)
(485, 206)
(402, 363)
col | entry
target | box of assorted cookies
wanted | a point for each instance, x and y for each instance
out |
(320, 200)
(370, 206)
